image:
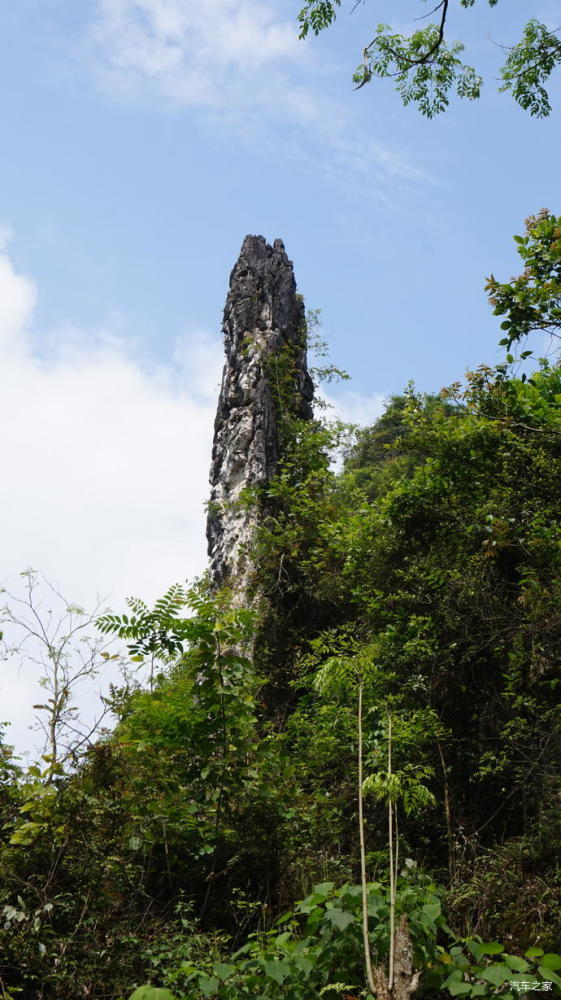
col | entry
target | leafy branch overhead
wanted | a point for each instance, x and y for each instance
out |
(427, 68)
(531, 302)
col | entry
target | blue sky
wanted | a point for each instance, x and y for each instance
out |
(140, 141)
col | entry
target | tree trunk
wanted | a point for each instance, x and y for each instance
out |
(405, 981)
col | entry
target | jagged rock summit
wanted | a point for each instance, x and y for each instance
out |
(264, 319)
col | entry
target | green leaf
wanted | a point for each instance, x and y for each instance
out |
(455, 989)
(151, 993)
(496, 974)
(27, 833)
(339, 918)
(533, 952)
(551, 961)
(208, 985)
(277, 971)
(455, 977)
(475, 948)
(189, 970)
(222, 970)
(303, 964)
(549, 974)
(518, 964)
(491, 948)
(432, 910)
(461, 961)
(324, 888)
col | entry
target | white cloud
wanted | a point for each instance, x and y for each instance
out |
(5, 235)
(355, 407)
(17, 301)
(352, 407)
(188, 50)
(241, 65)
(104, 462)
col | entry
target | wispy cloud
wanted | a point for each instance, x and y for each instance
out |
(193, 53)
(240, 64)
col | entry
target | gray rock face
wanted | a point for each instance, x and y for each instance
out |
(264, 318)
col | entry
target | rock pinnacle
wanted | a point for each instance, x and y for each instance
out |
(263, 318)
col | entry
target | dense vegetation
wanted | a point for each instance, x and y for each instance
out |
(409, 624)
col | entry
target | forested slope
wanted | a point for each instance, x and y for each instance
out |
(409, 604)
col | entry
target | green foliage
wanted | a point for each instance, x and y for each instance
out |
(178, 800)
(37, 810)
(504, 891)
(529, 65)
(158, 630)
(316, 948)
(317, 15)
(422, 65)
(151, 993)
(185, 947)
(376, 456)
(485, 969)
(401, 787)
(196, 734)
(341, 675)
(423, 581)
(426, 68)
(532, 301)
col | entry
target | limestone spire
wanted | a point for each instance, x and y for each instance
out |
(263, 315)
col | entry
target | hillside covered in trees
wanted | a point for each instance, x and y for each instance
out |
(349, 784)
